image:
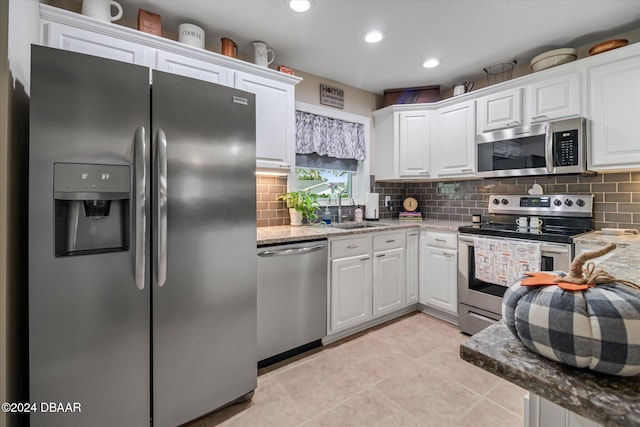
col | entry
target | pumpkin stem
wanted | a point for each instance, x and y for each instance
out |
(579, 274)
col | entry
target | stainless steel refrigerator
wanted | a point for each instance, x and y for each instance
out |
(142, 271)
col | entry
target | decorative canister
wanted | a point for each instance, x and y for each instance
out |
(191, 34)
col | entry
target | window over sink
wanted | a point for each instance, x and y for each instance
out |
(326, 166)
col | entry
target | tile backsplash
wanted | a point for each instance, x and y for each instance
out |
(270, 211)
(617, 196)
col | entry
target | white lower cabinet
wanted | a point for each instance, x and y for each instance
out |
(439, 271)
(389, 286)
(543, 413)
(350, 291)
(412, 251)
(368, 278)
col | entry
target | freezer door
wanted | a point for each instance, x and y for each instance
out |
(89, 320)
(204, 292)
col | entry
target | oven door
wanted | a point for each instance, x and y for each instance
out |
(487, 297)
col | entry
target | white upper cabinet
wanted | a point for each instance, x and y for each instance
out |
(500, 110)
(414, 143)
(614, 93)
(555, 98)
(192, 67)
(275, 97)
(454, 146)
(88, 42)
(275, 120)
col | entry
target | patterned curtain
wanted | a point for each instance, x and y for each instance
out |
(329, 137)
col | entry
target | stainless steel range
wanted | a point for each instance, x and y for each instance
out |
(543, 225)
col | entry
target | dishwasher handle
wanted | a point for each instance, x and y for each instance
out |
(292, 251)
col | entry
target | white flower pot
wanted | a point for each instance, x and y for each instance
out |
(296, 217)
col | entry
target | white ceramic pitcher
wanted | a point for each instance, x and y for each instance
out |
(101, 9)
(261, 54)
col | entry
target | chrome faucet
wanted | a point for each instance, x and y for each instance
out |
(340, 204)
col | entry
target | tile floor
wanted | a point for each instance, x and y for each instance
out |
(406, 372)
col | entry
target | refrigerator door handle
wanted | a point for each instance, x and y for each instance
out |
(140, 164)
(161, 193)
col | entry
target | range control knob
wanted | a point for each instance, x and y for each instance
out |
(568, 202)
(580, 202)
(557, 202)
(505, 202)
(496, 202)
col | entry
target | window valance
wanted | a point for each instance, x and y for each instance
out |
(329, 137)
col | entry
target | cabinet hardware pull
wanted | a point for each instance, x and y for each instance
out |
(467, 170)
(352, 246)
(379, 256)
(412, 234)
(365, 259)
(425, 173)
(441, 240)
(390, 241)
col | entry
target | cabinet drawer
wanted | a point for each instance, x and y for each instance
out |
(442, 240)
(350, 247)
(386, 241)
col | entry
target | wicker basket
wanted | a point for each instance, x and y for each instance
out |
(499, 73)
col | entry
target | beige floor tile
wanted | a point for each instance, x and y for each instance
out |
(488, 414)
(371, 358)
(319, 384)
(270, 406)
(429, 396)
(509, 396)
(415, 336)
(369, 409)
(446, 360)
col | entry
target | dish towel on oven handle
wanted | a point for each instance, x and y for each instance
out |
(503, 262)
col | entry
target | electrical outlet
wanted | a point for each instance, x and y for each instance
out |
(387, 200)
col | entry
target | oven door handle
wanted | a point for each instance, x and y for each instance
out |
(554, 249)
(465, 240)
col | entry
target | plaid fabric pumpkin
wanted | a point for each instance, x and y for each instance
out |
(598, 328)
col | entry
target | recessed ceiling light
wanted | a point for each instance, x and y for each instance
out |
(373, 37)
(300, 5)
(430, 63)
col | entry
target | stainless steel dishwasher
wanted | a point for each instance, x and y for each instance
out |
(292, 299)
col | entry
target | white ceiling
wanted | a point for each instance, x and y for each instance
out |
(466, 35)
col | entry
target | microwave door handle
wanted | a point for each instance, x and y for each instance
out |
(140, 166)
(161, 207)
(548, 147)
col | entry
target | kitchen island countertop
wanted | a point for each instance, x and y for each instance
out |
(289, 234)
(607, 399)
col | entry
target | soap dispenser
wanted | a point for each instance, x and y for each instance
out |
(357, 214)
(326, 216)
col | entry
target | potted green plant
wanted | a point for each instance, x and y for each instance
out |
(302, 204)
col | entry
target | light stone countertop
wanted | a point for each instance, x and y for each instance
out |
(288, 234)
(607, 399)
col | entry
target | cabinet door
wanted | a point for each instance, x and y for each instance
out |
(275, 120)
(414, 141)
(440, 279)
(92, 43)
(350, 292)
(500, 110)
(413, 261)
(455, 151)
(555, 98)
(389, 286)
(615, 128)
(191, 67)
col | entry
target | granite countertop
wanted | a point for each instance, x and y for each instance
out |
(288, 234)
(607, 399)
(623, 261)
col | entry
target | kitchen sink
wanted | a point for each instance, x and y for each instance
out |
(355, 225)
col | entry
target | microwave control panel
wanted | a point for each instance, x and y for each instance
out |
(565, 148)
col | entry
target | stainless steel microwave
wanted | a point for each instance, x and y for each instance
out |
(542, 149)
